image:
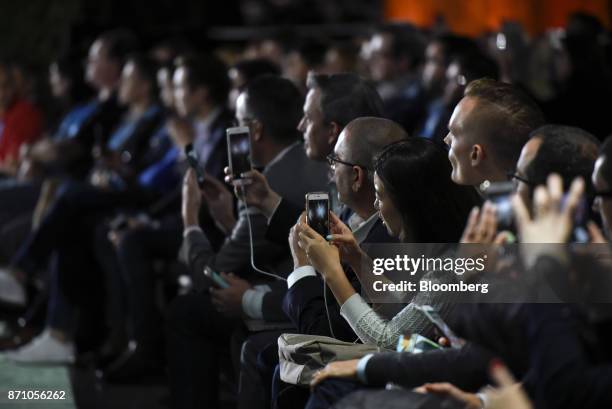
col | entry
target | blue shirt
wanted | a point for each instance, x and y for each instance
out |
(126, 129)
(162, 175)
(74, 120)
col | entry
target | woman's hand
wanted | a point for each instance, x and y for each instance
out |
(339, 369)
(343, 237)
(323, 256)
(299, 256)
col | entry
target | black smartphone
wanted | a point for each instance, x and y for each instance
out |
(239, 151)
(317, 212)
(500, 194)
(194, 163)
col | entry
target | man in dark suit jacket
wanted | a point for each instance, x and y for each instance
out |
(200, 326)
(352, 163)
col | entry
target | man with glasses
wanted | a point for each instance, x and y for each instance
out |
(565, 150)
(202, 324)
(331, 103)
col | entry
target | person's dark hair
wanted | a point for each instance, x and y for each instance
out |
(312, 51)
(406, 42)
(208, 72)
(606, 168)
(345, 97)
(119, 44)
(417, 175)
(277, 104)
(71, 69)
(454, 46)
(147, 70)
(571, 152)
(510, 117)
(477, 65)
(257, 67)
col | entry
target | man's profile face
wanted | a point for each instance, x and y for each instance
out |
(343, 174)
(101, 70)
(184, 98)
(528, 153)
(315, 131)
(459, 139)
(434, 71)
(381, 63)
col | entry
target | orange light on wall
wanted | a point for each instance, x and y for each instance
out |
(473, 17)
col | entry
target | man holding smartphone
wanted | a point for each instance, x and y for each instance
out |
(200, 325)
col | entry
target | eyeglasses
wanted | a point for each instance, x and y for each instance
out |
(515, 177)
(333, 159)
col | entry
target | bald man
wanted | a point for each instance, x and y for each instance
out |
(352, 163)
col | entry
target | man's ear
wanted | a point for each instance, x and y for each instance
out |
(358, 178)
(334, 131)
(256, 130)
(477, 155)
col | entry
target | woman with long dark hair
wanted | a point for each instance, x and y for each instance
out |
(418, 203)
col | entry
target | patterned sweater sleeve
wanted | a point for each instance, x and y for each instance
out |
(376, 330)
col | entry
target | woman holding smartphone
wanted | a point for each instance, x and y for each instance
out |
(418, 203)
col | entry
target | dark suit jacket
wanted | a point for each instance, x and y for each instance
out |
(304, 303)
(235, 254)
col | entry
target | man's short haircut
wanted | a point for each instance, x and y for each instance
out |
(569, 151)
(345, 97)
(277, 104)
(119, 43)
(312, 51)
(369, 136)
(511, 117)
(209, 72)
(256, 67)
(454, 45)
(147, 70)
(406, 42)
(476, 65)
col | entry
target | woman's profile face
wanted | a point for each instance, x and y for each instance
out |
(389, 214)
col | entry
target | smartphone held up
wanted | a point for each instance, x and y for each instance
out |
(317, 212)
(239, 152)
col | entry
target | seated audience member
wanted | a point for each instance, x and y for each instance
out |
(21, 122)
(246, 71)
(307, 55)
(451, 63)
(353, 171)
(487, 130)
(305, 304)
(394, 55)
(200, 325)
(198, 89)
(331, 103)
(568, 151)
(406, 203)
(584, 75)
(66, 230)
(341, 57)
(71, 153)
(552, 148)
